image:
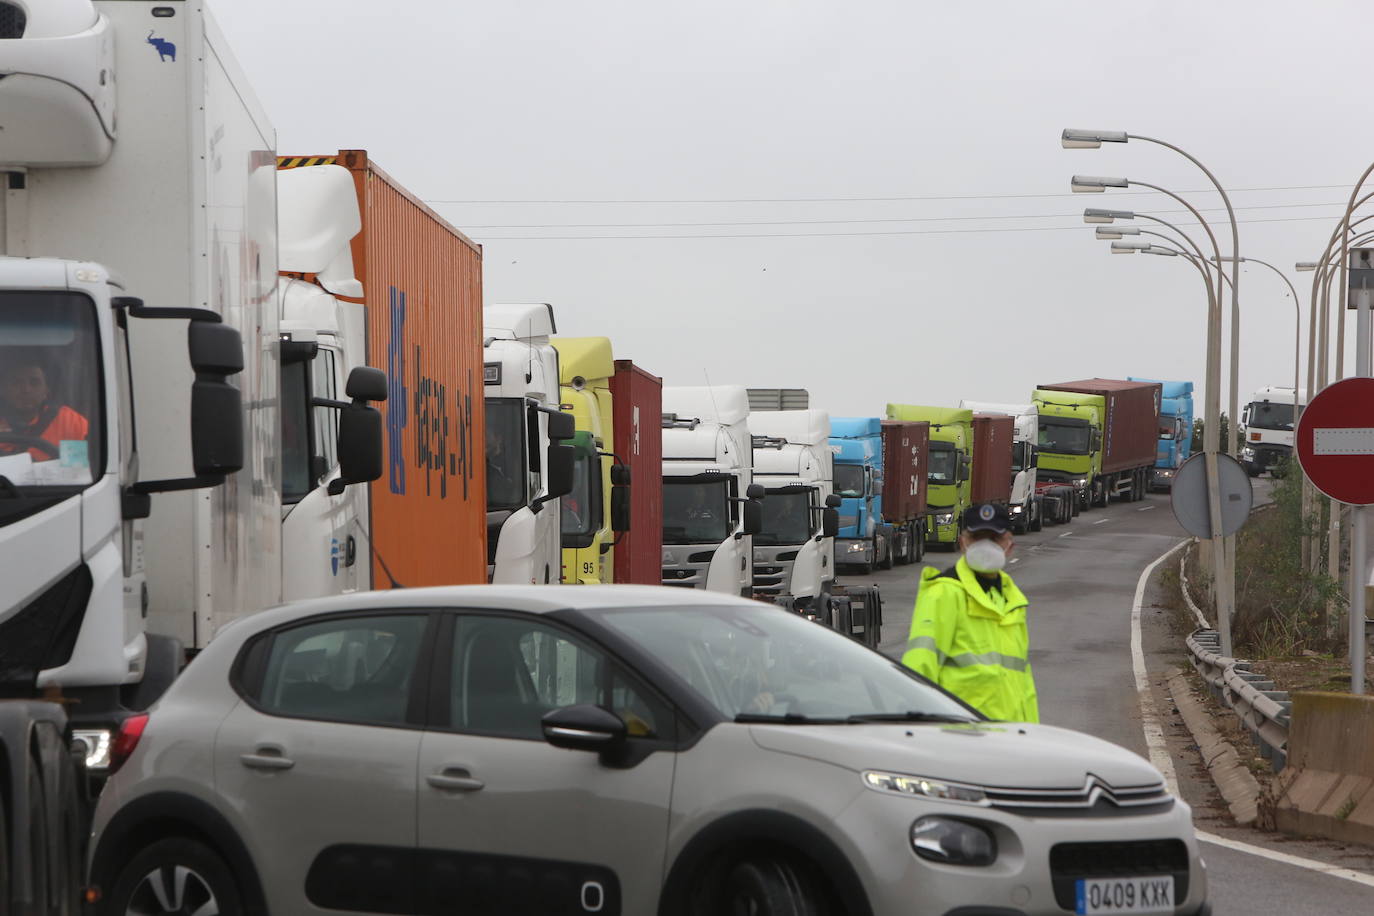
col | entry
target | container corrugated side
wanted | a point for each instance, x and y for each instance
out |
(423, 284)
(1131, 430)
(906, 451)
(993, 435)
(638, 410)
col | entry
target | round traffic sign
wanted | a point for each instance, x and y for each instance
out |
(1192, 505)
(1335, 441)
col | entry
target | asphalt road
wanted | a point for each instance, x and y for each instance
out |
(1081, 581)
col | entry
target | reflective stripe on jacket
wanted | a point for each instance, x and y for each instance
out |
(973, 642)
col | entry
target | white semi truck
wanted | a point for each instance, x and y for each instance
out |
(711, 505)
(141, 366)
(794, 550)
(1027, 501)
(528, 467)
(1267, 428)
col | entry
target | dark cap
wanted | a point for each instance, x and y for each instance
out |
(987, 517)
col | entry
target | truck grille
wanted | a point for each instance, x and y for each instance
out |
(1071, 861)
(13, 21)
(1095, 796)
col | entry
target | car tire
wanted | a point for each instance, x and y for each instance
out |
(153, 881)
(768, 887)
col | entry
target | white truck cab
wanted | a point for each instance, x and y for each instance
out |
(1267, 428)
(528, 470)
(794, 550)
(710, 501)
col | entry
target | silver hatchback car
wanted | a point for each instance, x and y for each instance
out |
(613, 750)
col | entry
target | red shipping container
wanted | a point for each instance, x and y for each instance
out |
(638, 412)
(906, 452)
(422, 283)
(1131, 428)
(993, 437)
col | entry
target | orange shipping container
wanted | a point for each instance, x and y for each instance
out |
(422, 281)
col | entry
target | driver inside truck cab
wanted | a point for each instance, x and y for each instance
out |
(29, 410)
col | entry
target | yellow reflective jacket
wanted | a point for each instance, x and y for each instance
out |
(973, 642)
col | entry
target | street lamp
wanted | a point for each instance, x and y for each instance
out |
(1095, 215)
(1116, 232)
(1096, 184)
(1297, 332)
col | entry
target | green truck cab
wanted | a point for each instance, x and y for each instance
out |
(1071, 440)
(948, 490)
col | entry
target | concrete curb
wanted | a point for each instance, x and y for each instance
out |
(1233, 780)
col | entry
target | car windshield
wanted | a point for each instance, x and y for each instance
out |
(506, 476)
(1064, 437)
(942, 463)
(1268, 415)
(849, 480)
(786, 518)
(51, 427)
(764, 661)
(696, 511)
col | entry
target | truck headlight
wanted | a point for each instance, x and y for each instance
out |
(1017, 510)
(923, 787)
(94, 745)
(953, 842)
(944, 518)
(1247, 452)
(857, 547)
(1080, 482)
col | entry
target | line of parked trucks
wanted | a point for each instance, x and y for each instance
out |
(292, 388)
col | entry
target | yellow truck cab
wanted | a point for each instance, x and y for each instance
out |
(948, 488)
(1070, 437)
(585, 368)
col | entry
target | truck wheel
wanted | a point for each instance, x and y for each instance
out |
(886, 561)
(40, 847)
(767, 887)
(173, 876)
(1037, 515)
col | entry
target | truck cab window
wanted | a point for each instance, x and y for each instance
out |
(1268, 415)
(51, 419)
(324, 384)
(849, 480)
(1062, 438)
(786, 518)
(696, 511)
(582, 507)
(943, 463)
(507, 472)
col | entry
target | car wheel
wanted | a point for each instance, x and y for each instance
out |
(768, 887)
(174, 876)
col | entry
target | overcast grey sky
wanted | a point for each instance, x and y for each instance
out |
(774, 100)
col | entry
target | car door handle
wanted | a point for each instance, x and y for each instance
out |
(457, 779)
(267, 758)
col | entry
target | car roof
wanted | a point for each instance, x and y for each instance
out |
(535, 599)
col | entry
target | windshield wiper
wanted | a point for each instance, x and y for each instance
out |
(787, 718)
(911, 716)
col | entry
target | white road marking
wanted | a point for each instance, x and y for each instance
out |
(1067, 534)
(1145, 508)
(1014, 560)
(1159, 750)
(1102, 521)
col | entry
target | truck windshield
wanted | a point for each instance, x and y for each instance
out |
(1064, 437)
(768, 662)
(943, 461)
(51, 422)
(1268, 415)
(507, 477)
(582, 506)
(849, 480)
(786, 518)
(696, 511)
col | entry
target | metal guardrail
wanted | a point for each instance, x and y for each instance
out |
(1263, 710)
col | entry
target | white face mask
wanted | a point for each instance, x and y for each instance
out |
(985, 556)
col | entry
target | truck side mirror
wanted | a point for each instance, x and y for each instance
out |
(752, 514)
(754, 491)
(832, 501)
(830, 522)
(561, 426)
(216, 352)
(620, 475)
(620, 508)
(359, 443)
(561, 459)
(965, 462)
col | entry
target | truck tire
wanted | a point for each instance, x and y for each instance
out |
(39, 839)
(1037, 522)
(886, 561)
(142, 886)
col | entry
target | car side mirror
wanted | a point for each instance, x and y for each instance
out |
(752, 515)
(754, 491)
(216, 352)
(832, 501)
(620, 507)
(583, 727)
(830, 522)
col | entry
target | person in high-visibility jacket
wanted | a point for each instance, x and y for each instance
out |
(968, 633)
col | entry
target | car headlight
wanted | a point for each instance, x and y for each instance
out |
(944, 518)
(953, 842)
(923, 787)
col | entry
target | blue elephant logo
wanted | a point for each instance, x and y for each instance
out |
(165, 48)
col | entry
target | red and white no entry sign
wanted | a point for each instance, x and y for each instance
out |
(1335, 441)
